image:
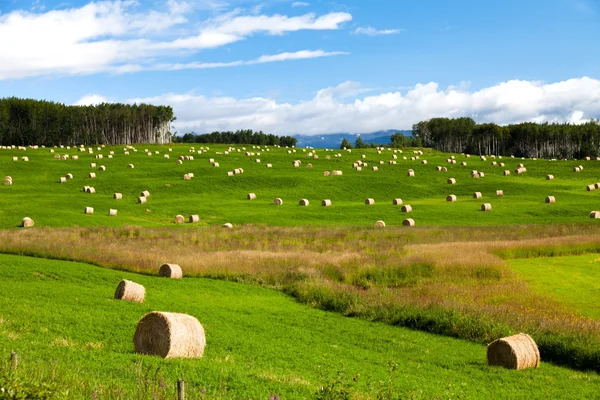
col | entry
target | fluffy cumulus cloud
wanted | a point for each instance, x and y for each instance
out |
(341, 109)
(120, 36)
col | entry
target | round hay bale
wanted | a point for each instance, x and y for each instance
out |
(451, 181)
(25, 158)
(228, 226)
(92, 165)
(590, 188)
(130, 166)
(269, 165)
(8, 181)
(142, 200)
(380, 224)
(326, 203)
(169, 335)
(514, 352)
(411, 172)
(451, 198)
(130, 291)
(91, 189)
(595, 214)
(336, 173)
(397, 202)
(406, 208)
(102, 168)
(486, 207)
(408, 222)
(369, 201)
(15, 158)
(477, 195)
(597, 184)
(424, 162)
(27, 222)
(375, 169)
(326, 173)
(69, 176)
(89, 210)
(187, 177)
(179, 219)
(63, 179)
(170, 271)
(506, 173)
(118, 196)
(550, 199)
(304, 203)
(230, 173)
(500, 193)
(278, 201)
(112, 212)
(251, 196)
(145, 193)
(178, 162)
(576, 169)
(215, 164)
(194, 219)
(463, 164)
(309, 165)
(92, 175)
(481, 174)
(549, 177)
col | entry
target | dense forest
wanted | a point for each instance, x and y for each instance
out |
(34, 122)
(246, 136)
(528, 139)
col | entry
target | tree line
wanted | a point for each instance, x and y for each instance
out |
(527, 139)
(397, 140)
(244, 136)
(38, 122)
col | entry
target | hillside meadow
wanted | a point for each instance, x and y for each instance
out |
(461, 276)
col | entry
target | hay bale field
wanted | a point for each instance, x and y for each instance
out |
(408, 222)
(514, 352)
(169, 335)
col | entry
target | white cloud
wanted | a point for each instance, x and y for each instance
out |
(115, 36)
(338, 109)
(370, 31)
(91, 100)
(300, 4)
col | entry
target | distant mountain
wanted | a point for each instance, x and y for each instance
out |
(333, 140)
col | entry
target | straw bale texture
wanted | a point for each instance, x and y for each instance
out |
(514, 352)
(251, 196)
(379, 224)
(278, 201)
(118, 196)
(408, 222)
(451, 198)
(27, 222)
(227, 225)
(179, 219)
(486, 207)
(326, 203)
(369, 201)
(477, 195)
(304, 202)
(194, 218)
(169, 335)
(397, 202)
(130, 291)
(550, 199)
(406, 208)
(170, 271)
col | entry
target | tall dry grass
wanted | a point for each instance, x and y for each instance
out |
(445, 280)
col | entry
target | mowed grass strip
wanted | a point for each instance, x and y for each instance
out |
(218, 198)
(61, 319)
(571, 280)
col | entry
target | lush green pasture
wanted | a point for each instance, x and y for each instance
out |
(573, 280)
(61, 319)
(217, 198)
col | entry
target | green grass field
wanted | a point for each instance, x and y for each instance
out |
(217, 198)
(573, 280)
(61, 319)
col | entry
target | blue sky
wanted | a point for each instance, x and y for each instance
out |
(287, 66)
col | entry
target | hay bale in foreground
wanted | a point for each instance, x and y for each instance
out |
(89, 210)
(130, 291)
(326, 203)
(369, 201)
(595, 214)
(406, 208)
(194, 219)
(379, 224)
(170, 271)
(278, 201)
(514, 352)
(451, 198)
(397, 202)
(179, 219)
(112, 212)
(550, 199)
(408, 222)
(304, 203)
(169, 335)
(486, 207)
(27, 222)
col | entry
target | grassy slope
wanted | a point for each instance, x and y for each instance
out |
(217, 198)
(59, 316)
(573, 280)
